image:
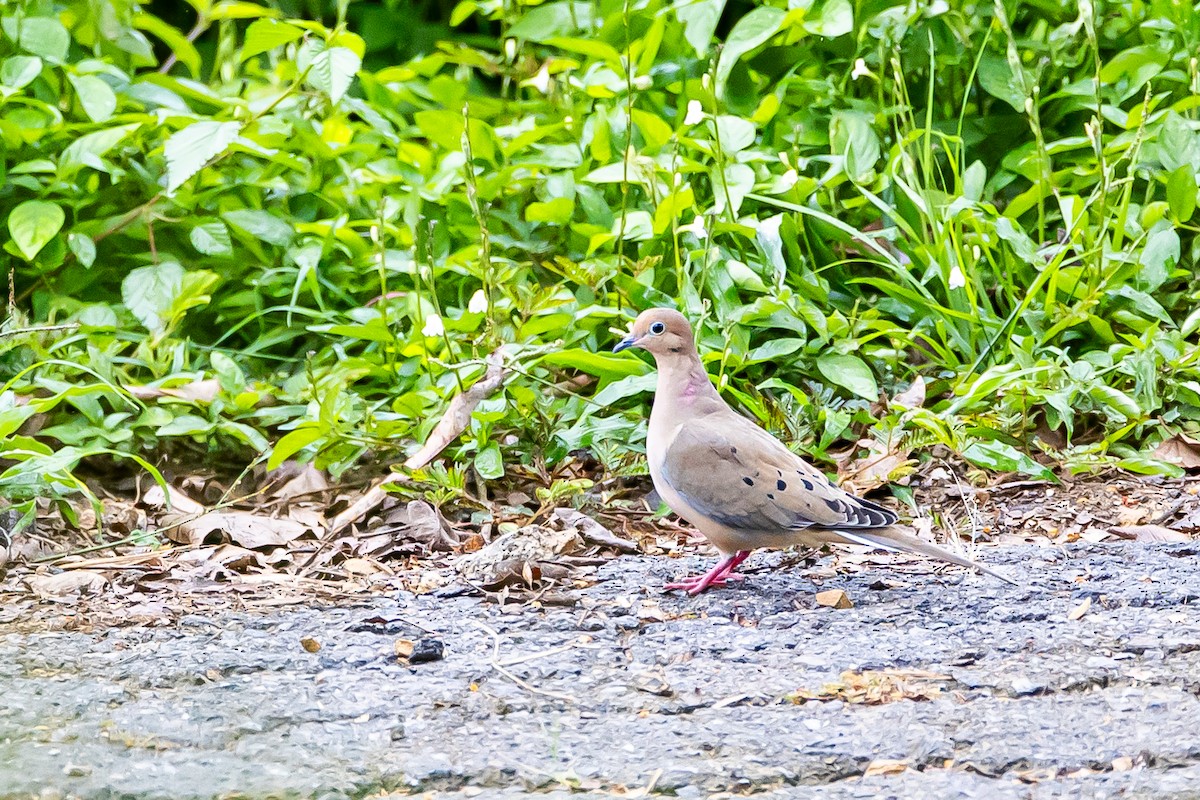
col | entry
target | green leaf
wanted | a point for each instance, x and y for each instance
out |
(185, 52)
(83, 247)
(699, 20)
(33, 224)
(552, 20)
(557, 211)
(186, 425)
(234, 9)
(212, 239)
(1160, 254)
(188, 150)
(261, 225)
(734, 133)
(1003, 457)
(836, 19)
(43, 36)
(266, 34)
(19, 71)
(750, 31)
(602, 365)
(229, 374)
(852, 136)
(291, 444)
(149, 293)
(489, 463)
(1181, 193)
(89, 149)
(95, 95)
(849, 372)
(328, 69)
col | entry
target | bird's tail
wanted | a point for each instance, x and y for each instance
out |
(898, 540)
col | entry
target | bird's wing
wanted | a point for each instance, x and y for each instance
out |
(739, 476)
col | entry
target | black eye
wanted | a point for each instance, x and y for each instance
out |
(657, 327)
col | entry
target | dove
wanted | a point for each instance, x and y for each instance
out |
(736, 483)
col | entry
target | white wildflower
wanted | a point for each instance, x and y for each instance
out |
(433, 326)
(957, 279)
(540, 81)
(860, 70)
(696, 228)
(478, 303)
(695, 113)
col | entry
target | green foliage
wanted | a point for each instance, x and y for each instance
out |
(337, 224)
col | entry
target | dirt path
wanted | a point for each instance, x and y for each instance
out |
(996, 692)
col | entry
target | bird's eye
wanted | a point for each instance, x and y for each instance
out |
(657, 328)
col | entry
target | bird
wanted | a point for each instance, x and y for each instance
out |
(737, 484)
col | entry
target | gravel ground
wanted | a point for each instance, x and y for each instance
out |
(935, 684)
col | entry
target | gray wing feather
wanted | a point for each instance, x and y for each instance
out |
(745, 479)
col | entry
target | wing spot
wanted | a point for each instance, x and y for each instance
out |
(807, 484)
(748, 481)
(676, 349)
(770, 496)
(780, 485)
(733, 451)
(834, 505)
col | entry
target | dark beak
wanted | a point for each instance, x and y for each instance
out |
(626, 343)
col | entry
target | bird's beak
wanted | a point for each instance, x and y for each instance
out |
(626, 343)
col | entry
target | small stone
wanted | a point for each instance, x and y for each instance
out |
(310, 644)
(834, 598)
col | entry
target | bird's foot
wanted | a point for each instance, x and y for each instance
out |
(698, 583)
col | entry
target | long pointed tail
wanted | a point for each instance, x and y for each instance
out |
(897, 540)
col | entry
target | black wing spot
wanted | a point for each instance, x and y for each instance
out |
(780, 485)
(733, 450)
(835, 505)
(748, 481)
(807, 483)
(770, 496)
(676, 349)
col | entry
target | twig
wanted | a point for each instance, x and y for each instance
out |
(497, 665)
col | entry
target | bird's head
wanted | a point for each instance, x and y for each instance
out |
(661, 331)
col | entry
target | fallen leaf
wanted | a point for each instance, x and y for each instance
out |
(403, 648)
(834, 598)
(204, 391)
(1181, 450)
(243, 528)
(1150, 533)
(884, 766)
(308, 480)
(1122, 764)
(1080, 610)
(62, 584)
(913, 396)
(458, 414)
(310, 644)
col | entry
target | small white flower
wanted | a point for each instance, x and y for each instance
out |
(540, 81)
(696, 228)
(510, 48)
(860, 70)
(433, 326)
(957, 279)
(642, 82)
(695, 113)
(478, 303)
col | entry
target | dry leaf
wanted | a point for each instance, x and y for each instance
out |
(310, 644)
(1150, 533)
(1181, 450)
(172, 499)
(403, 648)
(834, 598)
(204, 391)
(243, 528)
(66, 583)
(308, 480)
(913, 396)
(883, 766)
(458, 414)
(1078, 611)
(876, 687)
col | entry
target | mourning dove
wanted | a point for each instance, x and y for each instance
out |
(734, 481)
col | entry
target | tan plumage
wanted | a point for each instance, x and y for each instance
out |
(735, 482)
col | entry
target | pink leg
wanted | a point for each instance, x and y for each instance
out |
(717, 576)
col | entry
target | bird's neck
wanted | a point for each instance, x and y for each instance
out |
(683, 382)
